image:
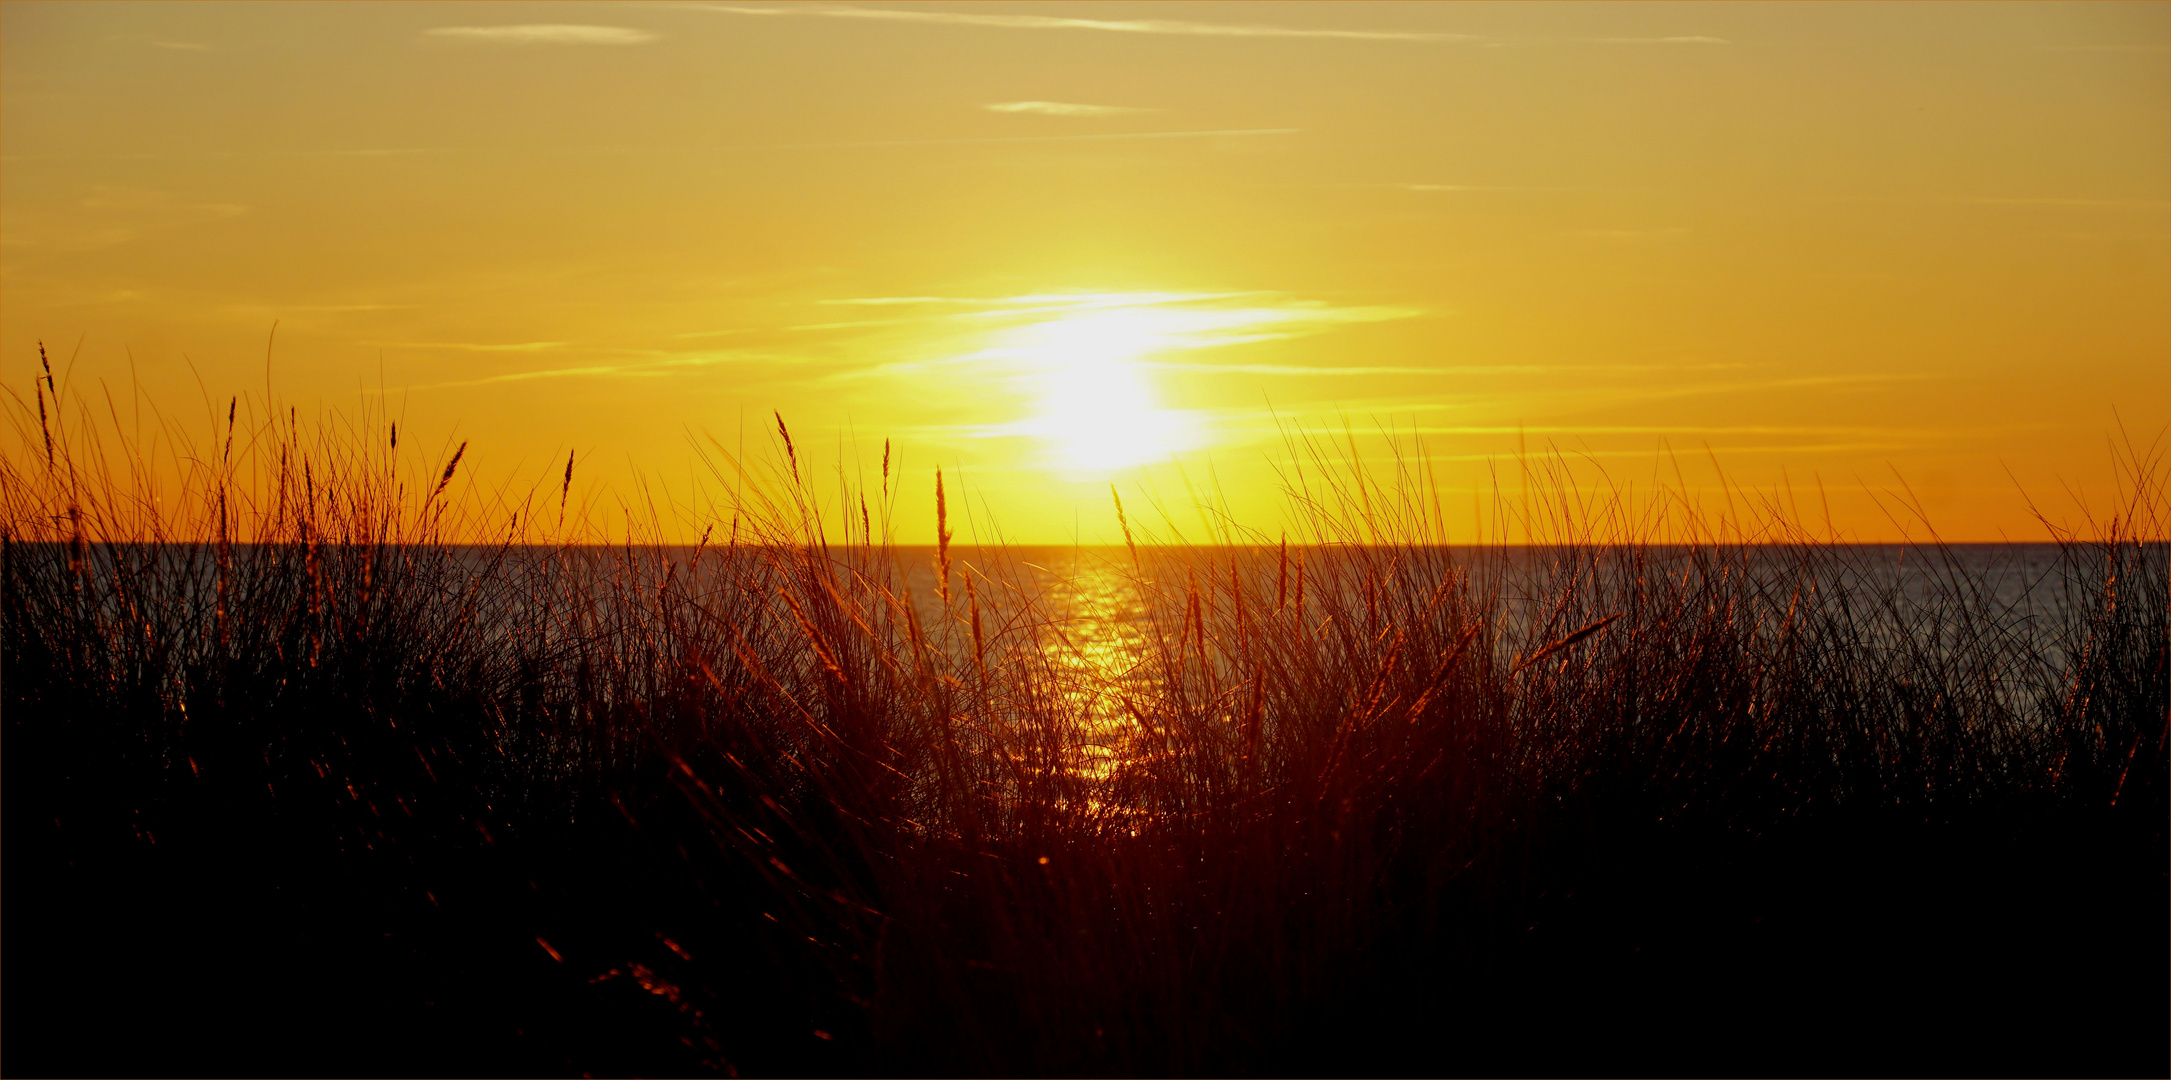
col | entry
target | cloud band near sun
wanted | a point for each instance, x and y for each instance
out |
(1014, 21)
(543, 34)
(1062, 108)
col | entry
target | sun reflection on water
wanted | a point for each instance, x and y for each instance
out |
(1080, 618)
(1103, 654)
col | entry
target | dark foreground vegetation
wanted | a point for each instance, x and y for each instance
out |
(348, 798)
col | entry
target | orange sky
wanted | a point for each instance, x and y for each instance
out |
(1050, 247)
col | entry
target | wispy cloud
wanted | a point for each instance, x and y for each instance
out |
(109, 216)
(469, 346)
(2077, 234)
(734, 357)
(1185, 316)
(1673, 429)
(1447, 369)
(139, 201)
(1040, 303)
(2103, 203)
(740, 148)
(1595, 394)
(643, 364)
(1805, 382)
(1177, 27)
(733, 332)
(1486, 188)
(552, 373)
(903, 300)
(2129, 48)
(544, 34)
(1062, 108)
(518, 376)
(1684, 39)
(1011, 21)
(1032, 303)
(1031, 333)
(270, 309)
(852, 324)
(1107, 136)
(1289, 369)
(1622, 234)
(1730, 449)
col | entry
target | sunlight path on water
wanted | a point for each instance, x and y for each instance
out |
(1103, 638)
(1088, 616)
(1084, 616)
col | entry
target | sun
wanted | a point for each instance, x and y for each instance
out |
(1097, 410)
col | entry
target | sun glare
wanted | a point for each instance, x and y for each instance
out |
(1098, 412)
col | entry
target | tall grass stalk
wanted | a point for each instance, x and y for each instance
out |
(1600, 802)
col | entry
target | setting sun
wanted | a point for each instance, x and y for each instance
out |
(1097, 411)
(1085, 538)
(1898, 253)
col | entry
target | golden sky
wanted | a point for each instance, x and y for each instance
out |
(1050, 247)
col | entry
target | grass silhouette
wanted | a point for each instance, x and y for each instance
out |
(302, 778)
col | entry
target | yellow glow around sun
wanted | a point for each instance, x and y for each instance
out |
(1097, 410)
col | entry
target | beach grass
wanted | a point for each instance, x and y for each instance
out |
(319, 760)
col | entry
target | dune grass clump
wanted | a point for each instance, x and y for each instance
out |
(303, 775)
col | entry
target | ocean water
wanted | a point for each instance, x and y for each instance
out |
(1110, 595)
(2027, 589)
(1105, 621)
(2034, 590)
(1108, 629)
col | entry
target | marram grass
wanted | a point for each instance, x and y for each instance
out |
(301, 778)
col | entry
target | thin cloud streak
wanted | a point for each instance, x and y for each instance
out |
(1615, 396)
(1685, 39)
(734, 332)
(1751, 448)
(1032, 139)
(1002, 306)
(469, 346)
(885, 300)
(1451, 369)
(1022, 430)
(1489, 188)
(2151, 204)
(518, 376)
(855, 324)
(388, 152)
(1177, 27)
(1062, 108)
(1800, 383)
(1008, 21)
(1142, 325)
(1287, 369)
(1038, 303)
(545, 34)
(2104, 48)
(1665, 429)
(668, 365)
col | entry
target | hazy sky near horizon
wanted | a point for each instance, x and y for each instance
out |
(1050, 247)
